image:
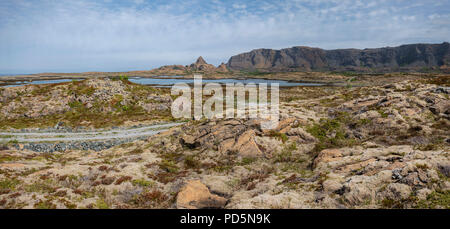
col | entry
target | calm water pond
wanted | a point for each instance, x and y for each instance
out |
(167, 82)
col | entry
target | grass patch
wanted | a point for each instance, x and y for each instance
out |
(151, 199)
(46, 204)
(8, 184)
(142, 183)
(438, 80)
(101, 204)
(123, 78)
(286, 153)
(255, 73)
(6, 158)
(168, 166)
(191, 163)
(331, 133)
(247, 160)
(280, 136)
(382, 113)
(437, 199)
(14, 141)
(136, 151)
(45, 186)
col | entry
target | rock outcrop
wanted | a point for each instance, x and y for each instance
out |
(405, 57)
(222, 68)
(242, 137)
(195, 195)
(199, 66)
(99, 96)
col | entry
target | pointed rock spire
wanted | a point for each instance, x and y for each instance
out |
(200, 61)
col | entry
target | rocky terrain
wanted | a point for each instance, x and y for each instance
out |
(89, 103)
(415, 57)
(381, 146)
(199, 66)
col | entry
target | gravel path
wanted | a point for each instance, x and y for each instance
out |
(88, 135)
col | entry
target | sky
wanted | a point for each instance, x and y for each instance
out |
(123, 35)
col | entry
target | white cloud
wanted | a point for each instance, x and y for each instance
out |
(378, 12)
(409, 18)
(433, 16)
(239, 6)
(85, 35)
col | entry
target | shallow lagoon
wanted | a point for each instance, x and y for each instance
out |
(167, 82)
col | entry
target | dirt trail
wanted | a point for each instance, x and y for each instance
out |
(86, 136)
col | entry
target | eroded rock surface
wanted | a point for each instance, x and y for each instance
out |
(362, 147)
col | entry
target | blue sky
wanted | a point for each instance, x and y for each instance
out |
(119, 35)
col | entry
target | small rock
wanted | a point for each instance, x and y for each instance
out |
(331, 186)
(328, 155)
(422, 194)
(411, 179)
(445, 169)
(397, 191)
(190, 141)
(396, 174)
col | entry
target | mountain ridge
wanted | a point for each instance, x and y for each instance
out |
(303, 58)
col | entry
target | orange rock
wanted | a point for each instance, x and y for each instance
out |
(226, 145)
(328, 155)
(283, 126)
(195, 195)
(246, 145)
(396, 165)
(356, 166)
(12, 165)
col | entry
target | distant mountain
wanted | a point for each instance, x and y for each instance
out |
(300, 58)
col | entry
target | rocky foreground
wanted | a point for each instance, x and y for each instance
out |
(363, 147)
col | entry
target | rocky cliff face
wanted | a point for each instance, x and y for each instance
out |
(405, 57)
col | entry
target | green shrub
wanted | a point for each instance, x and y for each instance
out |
(278, 135)
(101, 204)
(9, 184)
(191, 162)
(142, 183)
(437, 199)
(331, 133)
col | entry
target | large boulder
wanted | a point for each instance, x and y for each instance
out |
(195, 195)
